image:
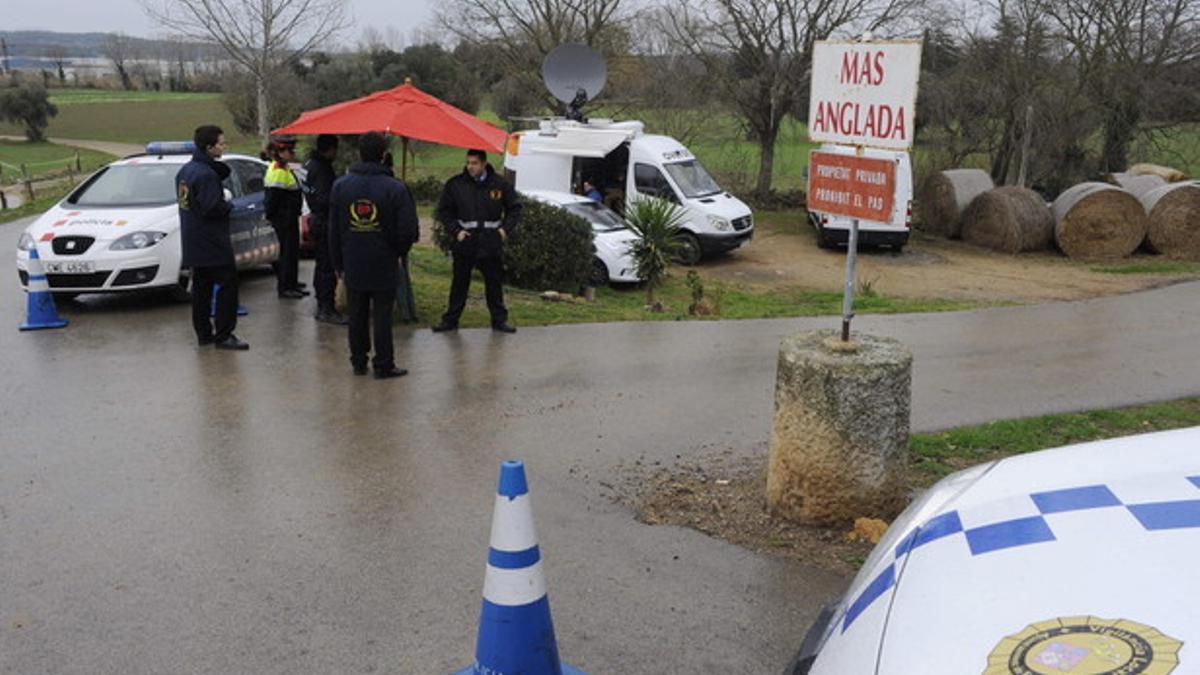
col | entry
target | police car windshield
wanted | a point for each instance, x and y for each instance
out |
(130, 185)
(693, 179)
(602, 218)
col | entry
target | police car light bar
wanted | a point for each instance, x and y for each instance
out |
(170, 148)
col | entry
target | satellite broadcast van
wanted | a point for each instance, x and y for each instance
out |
(833, 230)
(621, 161)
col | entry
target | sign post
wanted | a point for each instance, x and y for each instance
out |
(864, 94)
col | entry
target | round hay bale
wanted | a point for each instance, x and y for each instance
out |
(945, 195)
(1137, 184)
(1098, 221)
(1174, 212)
(1009, 219)
(1165, 172)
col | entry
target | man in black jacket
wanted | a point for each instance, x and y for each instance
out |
(480, 210)
(319, 178)
(207, 249)
(373, 222)
(282, 206)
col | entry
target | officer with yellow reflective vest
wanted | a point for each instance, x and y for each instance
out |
(282, 202)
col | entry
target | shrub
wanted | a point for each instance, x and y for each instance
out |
(656, 224)
(28, 105)
(426, 190)
(551, 250)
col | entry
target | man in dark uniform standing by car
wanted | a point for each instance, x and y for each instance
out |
(319, 178)
(207, 248)
(282, 204)
(372, 223)
(480, 210)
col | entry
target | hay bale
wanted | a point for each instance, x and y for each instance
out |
(1137, 184)
(1165, 172)
(945, 195)
(1174, 212)
(1098, 221)
(1009, 219)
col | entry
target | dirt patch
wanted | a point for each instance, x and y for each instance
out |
(725, 497)
(784, 252)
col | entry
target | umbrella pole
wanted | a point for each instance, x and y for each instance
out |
(404, 158)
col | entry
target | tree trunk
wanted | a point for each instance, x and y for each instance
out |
(126, 83)
(1120, 124)
(649, 293)
(766, 161)
(264, 127)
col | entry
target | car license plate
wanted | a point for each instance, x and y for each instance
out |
(72, 267)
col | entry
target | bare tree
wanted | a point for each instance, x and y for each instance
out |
(259, 35)
(1121, 48)
(58, 56)
(525, 31)
(757, 53)
(118, 49)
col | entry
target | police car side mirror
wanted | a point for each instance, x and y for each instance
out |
(228, 194)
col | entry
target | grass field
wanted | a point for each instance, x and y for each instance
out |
(44, 160)
(430, 272)
(937, 454)
(45, 200)
(138, 117)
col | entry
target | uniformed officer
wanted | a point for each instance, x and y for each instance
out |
(207, 248)
(282, 206)
(480, 210)
(319, 178)
(373, 222)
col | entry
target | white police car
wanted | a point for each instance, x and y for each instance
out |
(119, 230)
(612, 263)
(1081, 559)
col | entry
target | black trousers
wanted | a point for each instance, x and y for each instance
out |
(324, 276)
(492, 269)
(287, 268)
(369, 308)
(203, 280)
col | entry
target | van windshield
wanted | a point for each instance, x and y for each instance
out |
(131, 185)
(602, 218)
(693, 179)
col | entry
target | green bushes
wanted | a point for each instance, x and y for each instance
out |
(29, 106)
(550, 250)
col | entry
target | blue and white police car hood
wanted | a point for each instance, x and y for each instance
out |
(1075, 560)
(103, 224)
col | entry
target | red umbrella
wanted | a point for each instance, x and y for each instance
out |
(404, 111)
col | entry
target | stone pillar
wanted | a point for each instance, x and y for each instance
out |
(839, 445)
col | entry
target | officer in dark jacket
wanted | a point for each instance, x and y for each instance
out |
(282, 203)
(319, 178)
(480, 210)
(373, 222)
(207, 249)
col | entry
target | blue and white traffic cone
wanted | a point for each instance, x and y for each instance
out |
(39, 310)
(516, 635)
(212, 312)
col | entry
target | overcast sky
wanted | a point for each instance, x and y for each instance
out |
(86, 16)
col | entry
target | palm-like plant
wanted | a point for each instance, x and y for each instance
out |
(656, 223)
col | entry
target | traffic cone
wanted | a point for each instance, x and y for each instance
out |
(516, 634)
(39, 311)
(212, 311)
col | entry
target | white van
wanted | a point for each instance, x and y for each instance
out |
(624, 163)
(834, 230)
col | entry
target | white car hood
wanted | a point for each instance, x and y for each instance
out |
(103, 224)
(1070, 560)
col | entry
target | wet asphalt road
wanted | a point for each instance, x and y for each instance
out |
(170, 509)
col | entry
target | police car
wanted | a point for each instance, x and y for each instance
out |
(119, 230)
(612, 262)
(1075, 560)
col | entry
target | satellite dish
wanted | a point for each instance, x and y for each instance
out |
(574, 74)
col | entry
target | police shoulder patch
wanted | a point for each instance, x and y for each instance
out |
(1085, 645)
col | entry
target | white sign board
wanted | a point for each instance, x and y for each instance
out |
(864, 93)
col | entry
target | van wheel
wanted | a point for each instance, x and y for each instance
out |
(181, 291)
(599, 276)
(688, 252)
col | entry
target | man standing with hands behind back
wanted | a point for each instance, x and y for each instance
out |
(480, 210)
(207, 248)
(372, 222)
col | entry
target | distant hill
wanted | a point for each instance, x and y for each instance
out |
(33, 44)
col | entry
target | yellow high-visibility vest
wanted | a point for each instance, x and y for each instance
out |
(281, 177)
